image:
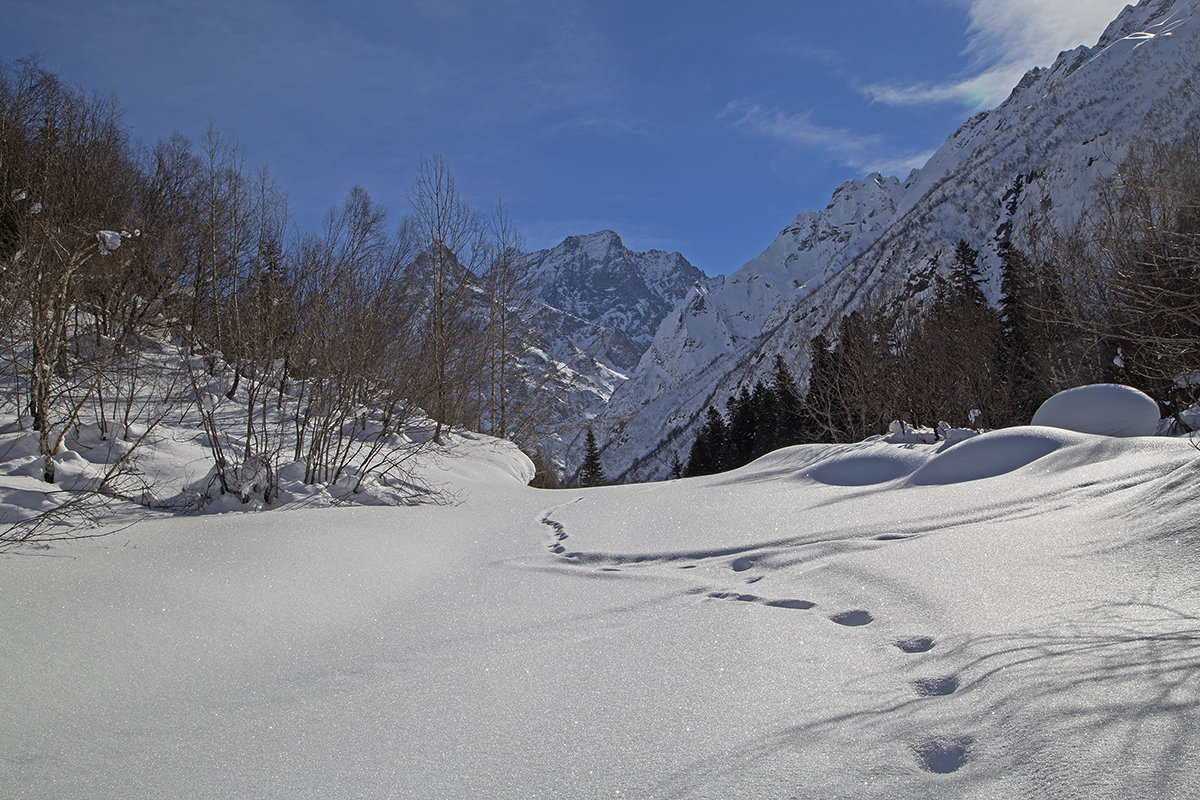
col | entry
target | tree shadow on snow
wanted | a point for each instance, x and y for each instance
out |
(1106, 704)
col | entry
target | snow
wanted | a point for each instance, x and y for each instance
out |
(866, 468)
(1013, 615)
(1107, 408)
(108, 241)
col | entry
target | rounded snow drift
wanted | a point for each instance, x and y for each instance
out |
(992, 454)
(866, 469)
(1107, 409)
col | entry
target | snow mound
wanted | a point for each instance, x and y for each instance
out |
(1107, 409)
(867, 469)
(993, 453)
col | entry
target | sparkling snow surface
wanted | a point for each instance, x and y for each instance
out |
(1014, 616)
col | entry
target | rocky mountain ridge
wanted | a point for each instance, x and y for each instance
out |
(1038, 157)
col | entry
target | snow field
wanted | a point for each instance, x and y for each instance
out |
(778, 631)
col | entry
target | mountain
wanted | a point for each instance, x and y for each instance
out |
(598, 306)
(1039, 155)
(604, 299)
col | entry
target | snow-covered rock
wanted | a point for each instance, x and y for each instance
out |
(1107, 409)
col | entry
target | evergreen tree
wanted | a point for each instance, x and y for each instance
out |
(591, 473)
(1026, 382)
(708, 454)
(966, 275)
(788, 407)
(953, 358)
(743, 429)
(676, 467)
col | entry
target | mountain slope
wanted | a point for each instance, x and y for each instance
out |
(1061, 131)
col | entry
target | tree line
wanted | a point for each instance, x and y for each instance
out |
(1115, 299)
(321, 348)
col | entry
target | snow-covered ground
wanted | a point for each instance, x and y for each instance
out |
(1015, 616)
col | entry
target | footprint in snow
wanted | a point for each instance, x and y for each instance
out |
(936, 687)
(743, 563)
(915, 644)
(799, 604)
(853, 619)
(943, 755)
(745, 598)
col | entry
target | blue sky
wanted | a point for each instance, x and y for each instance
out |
(700, 127)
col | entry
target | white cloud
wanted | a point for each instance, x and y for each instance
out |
(1005, 39)
(856, 150)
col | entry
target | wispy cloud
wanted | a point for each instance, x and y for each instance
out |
(795, 48)
(899, 165)
(1004, 39)
(856, 150)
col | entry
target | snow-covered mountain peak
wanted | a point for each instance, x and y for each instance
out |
(606, 300)
(596, 247)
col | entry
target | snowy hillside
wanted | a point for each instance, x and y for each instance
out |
(1062, 130)
(1014, 616)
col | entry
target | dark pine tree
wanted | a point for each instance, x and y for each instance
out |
(1026, 382)
(788, 407)
(709, 450)
(676, 467)
(762, 400)
(743, 429)
(591, 473)
(966, 275)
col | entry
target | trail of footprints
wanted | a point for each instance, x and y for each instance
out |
(937, 754)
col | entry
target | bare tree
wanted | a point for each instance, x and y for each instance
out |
(1148, 251)
(451, 238)
(1117, 297)
(510, 302)
(66, 196)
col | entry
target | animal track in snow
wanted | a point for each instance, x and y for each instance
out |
(560, 532)
(853, 619)
(753, 598)
(915, 644)
(943, 755)
(936, 687)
